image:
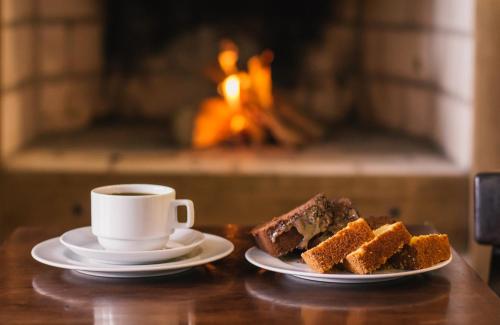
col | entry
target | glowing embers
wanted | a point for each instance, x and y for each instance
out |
(246, 112)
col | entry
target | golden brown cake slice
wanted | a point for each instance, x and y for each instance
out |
(422, 251)
(324, 256)
(389, 239)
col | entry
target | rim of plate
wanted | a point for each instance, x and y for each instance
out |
(213, 239)
(288, 270)
(156, 251)
(125, 275)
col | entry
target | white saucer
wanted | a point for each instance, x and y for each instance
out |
(53, 253)
(300, 270)
(84, 243)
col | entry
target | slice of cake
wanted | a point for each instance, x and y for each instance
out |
(389, 239)
(422, 252)
(333, 250)
(283, 234)
(343, 212)
(296, 228)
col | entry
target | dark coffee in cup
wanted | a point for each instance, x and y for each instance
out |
(131, 193)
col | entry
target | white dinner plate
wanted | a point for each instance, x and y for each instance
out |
(52, 252)
(298, 269)
(84, 243)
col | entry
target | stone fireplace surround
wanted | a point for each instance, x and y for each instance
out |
(416, 77)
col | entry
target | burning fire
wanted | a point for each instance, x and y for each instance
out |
(245, 111)
(228, 118)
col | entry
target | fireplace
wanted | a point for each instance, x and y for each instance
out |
(372, 86)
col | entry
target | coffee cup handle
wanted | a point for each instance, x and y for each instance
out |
(190, 213)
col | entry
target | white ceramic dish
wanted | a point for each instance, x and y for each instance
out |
(82, 242)
(131, 274)
(263, 260)
(52, 252)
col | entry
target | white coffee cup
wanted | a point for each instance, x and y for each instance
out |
(127, 222)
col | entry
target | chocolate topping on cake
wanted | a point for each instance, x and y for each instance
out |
(295, 229)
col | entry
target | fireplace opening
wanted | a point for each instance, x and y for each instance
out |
(220, 74)
(338, 83)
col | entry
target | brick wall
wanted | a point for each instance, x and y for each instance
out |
(418, 69)
(50, 63)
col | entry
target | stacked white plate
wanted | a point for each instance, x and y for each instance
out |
(79, 250)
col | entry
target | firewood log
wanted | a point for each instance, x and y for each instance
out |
(283, 133)
(309, 127)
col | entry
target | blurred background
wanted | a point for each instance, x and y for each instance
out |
(250, 109)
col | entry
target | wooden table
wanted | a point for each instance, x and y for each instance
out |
(231, 291)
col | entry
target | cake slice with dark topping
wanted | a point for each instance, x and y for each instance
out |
(295, 229)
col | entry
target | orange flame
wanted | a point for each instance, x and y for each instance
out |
(231, 91)
(228, 57)
(260, 76)
(218, 119)
(238, 123)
